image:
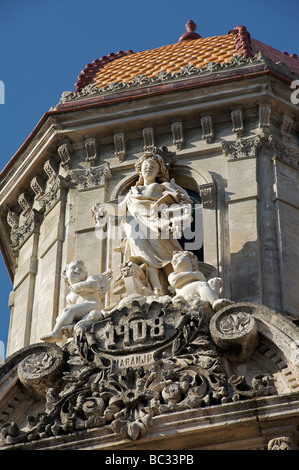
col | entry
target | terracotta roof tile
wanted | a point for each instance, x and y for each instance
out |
(167, 58)
(292, 61)
(124, 66)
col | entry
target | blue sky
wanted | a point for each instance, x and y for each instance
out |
(45, 45)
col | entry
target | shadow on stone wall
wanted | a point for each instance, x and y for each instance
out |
(245, 274)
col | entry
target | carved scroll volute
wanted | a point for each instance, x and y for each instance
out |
(64, 152)
(24, 205)
(36, 186)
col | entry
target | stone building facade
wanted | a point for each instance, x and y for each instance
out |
(150, 370)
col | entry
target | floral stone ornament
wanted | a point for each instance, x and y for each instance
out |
(150, 356)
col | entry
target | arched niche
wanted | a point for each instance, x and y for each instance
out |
(200, 181)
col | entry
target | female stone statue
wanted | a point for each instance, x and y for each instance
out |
(150, 208)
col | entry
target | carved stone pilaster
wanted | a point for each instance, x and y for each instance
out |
(120, 146)
(241, 148)
(207, 129)
(92, 177)
(148, 138)
(64, 152)
(237, 120)
(91, 150)
(177, 134)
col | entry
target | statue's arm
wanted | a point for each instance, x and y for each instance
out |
(90, 285)
(100, 210)
(179, 193)
(179, 280)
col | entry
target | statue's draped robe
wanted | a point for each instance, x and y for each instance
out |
(145, 243)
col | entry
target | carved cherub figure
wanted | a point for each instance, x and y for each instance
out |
(85, 298)
(189, 281)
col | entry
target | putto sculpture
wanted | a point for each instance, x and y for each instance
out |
(84, 300)
(190, 282)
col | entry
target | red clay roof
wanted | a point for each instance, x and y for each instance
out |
(292, 60)
(191, 49)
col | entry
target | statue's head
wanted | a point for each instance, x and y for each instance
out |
(183, 259)
(157, 162)
(74, 272)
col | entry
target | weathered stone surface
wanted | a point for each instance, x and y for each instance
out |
(145, 370)
(151, 357)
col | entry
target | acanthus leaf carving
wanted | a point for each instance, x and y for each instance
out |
(23, 225)
(54, 193)
(282, 443)
(241, 148)
(95, 176)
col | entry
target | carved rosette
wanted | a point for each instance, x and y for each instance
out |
(235, 333)
(41, 369)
